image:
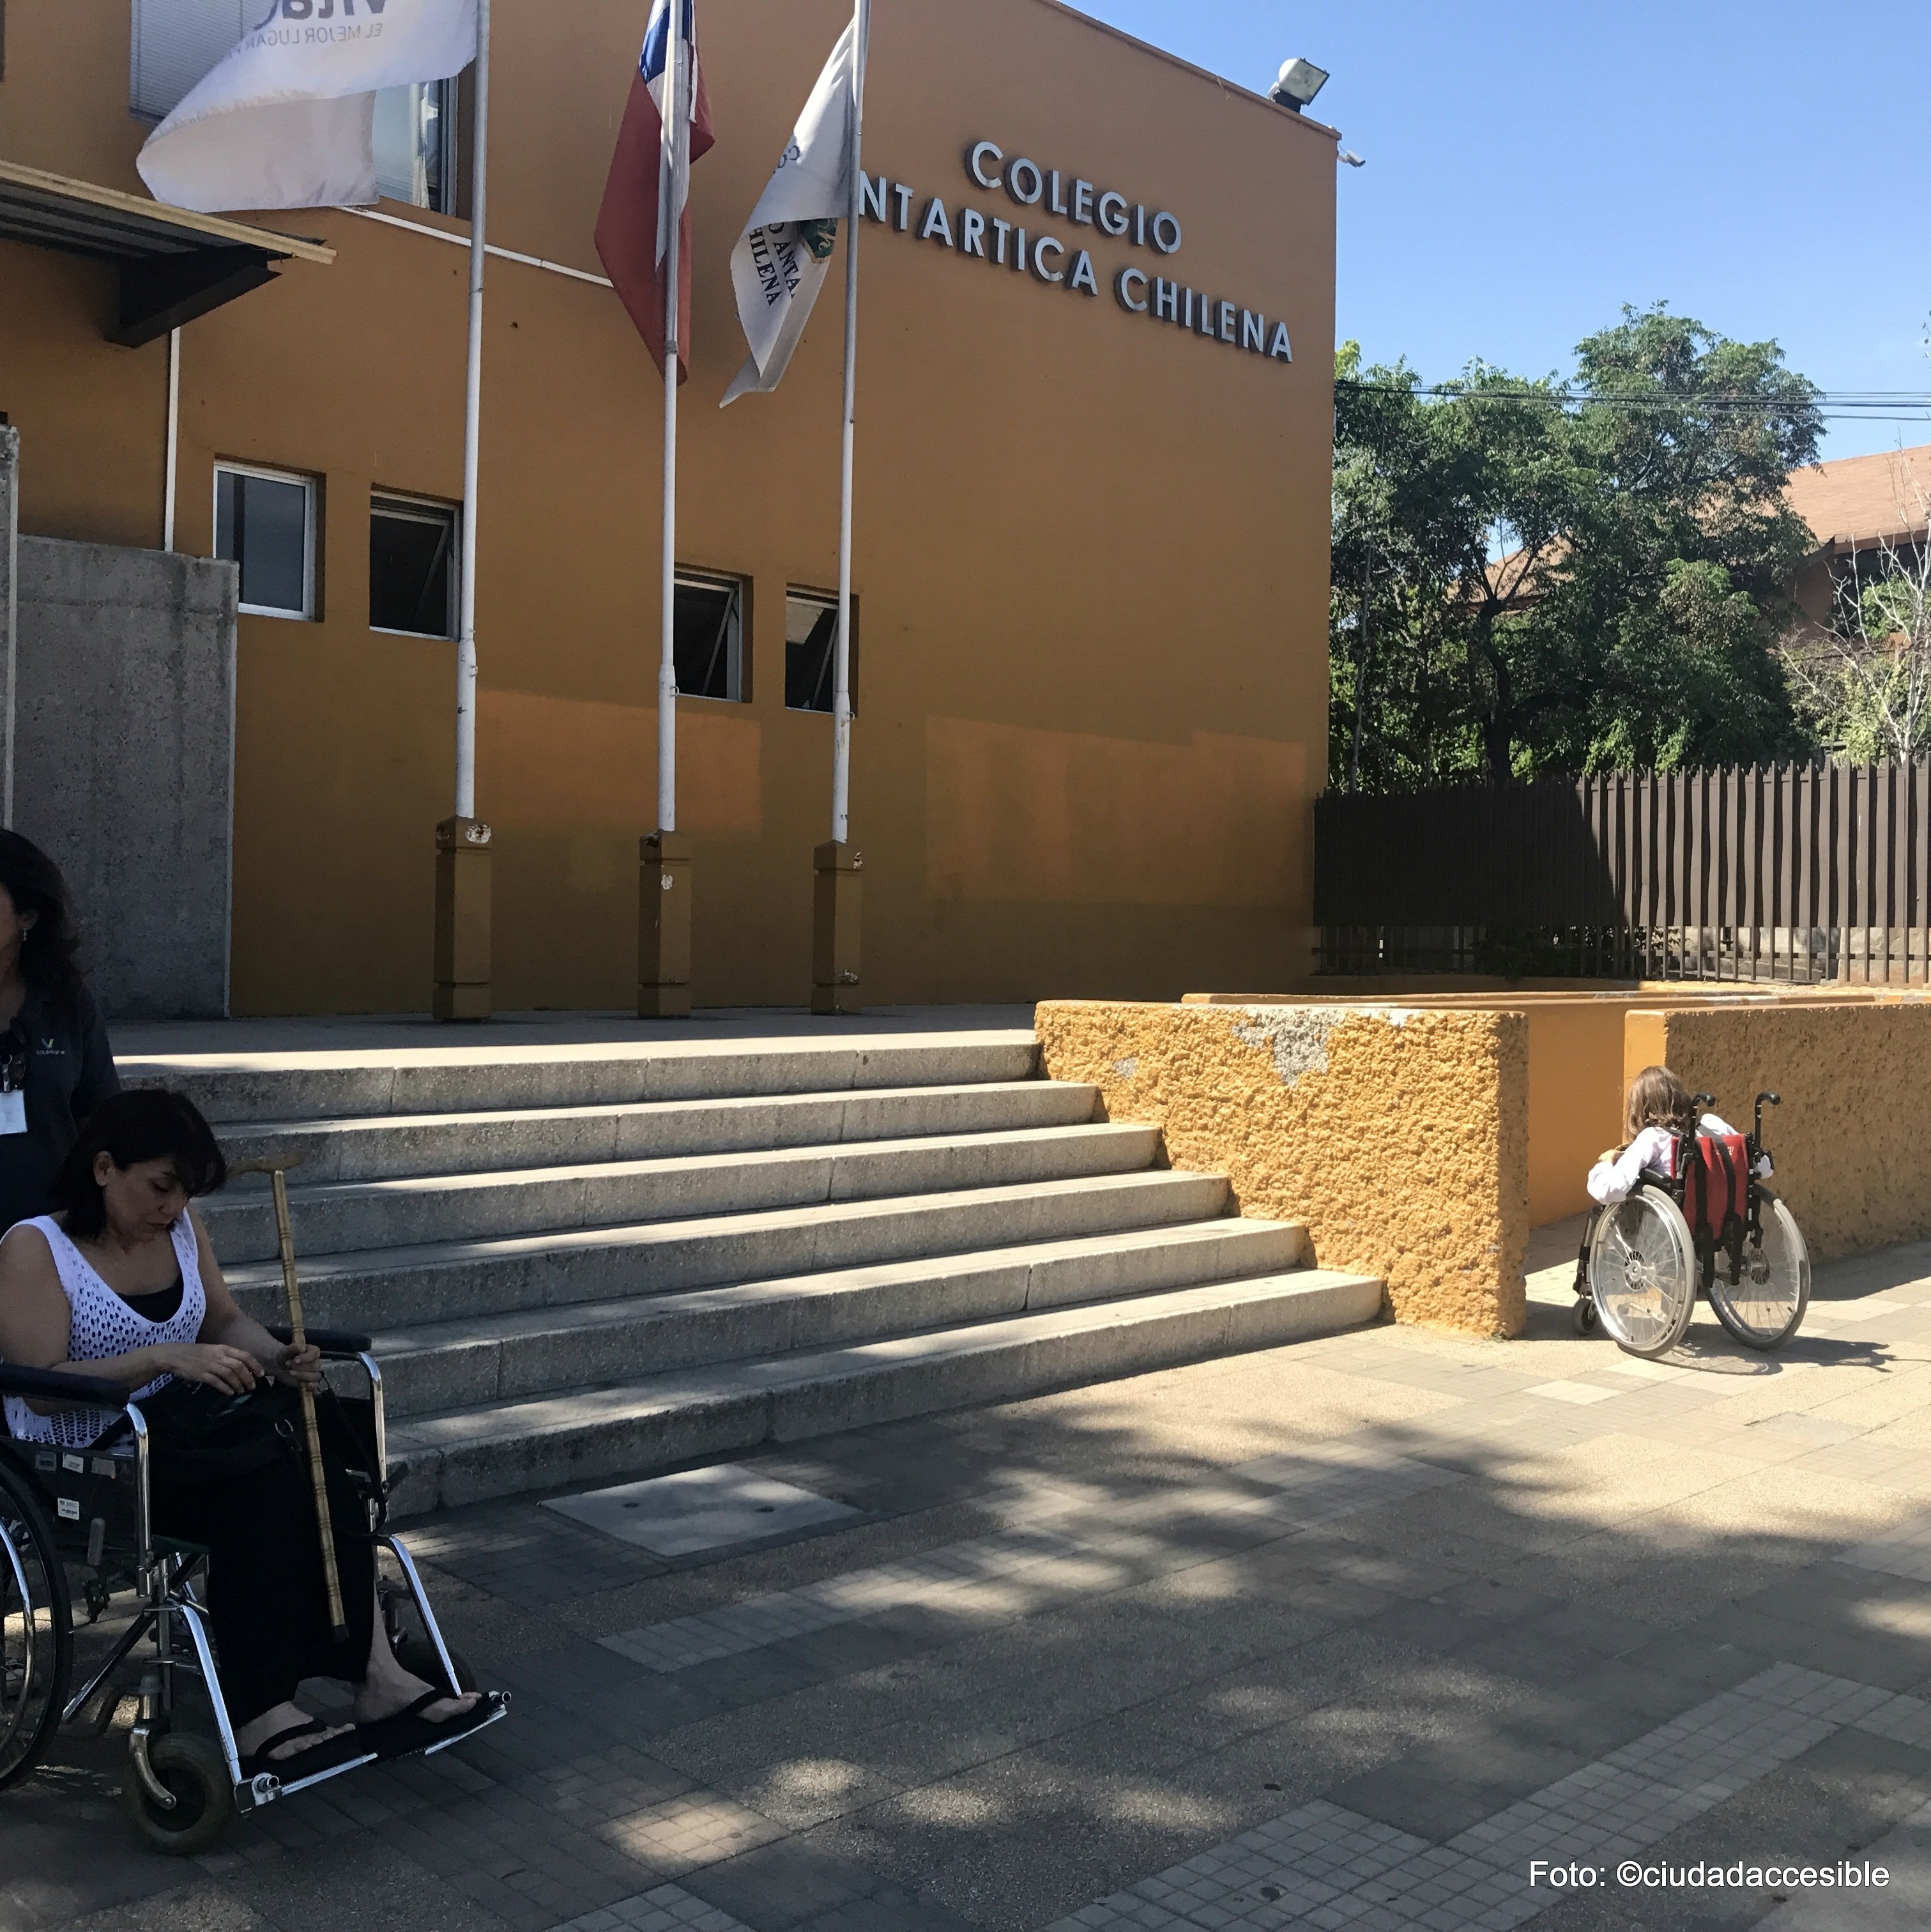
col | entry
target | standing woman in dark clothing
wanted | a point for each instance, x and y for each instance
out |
(56, 1064)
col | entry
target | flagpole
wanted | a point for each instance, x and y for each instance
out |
(841, 702)
(666, 661)
(837, 903)
(463, 935)
(663, 877)
(472, 425)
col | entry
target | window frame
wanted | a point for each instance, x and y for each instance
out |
(825, 600)
(737, 682)
(447, 94)
(311, 490)
(403, 504)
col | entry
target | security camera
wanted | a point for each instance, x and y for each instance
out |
(1298, 82)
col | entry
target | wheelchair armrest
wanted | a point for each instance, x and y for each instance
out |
(334, 1342)
(56, 1385)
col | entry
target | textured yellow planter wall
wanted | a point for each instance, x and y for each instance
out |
(1853, 1157)
(1398, 1137)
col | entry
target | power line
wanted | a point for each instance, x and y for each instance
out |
(1832, 405)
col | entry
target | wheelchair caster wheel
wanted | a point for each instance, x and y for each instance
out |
(1585, 1315)
(416, 1655)
(192, 1770)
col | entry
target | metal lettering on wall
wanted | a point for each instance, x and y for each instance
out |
(1020, 247)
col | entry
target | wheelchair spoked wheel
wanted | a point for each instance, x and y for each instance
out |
(36, 1630)
(1763, 1309)
(1643, 1273)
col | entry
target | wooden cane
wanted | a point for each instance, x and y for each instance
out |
(277, 1173)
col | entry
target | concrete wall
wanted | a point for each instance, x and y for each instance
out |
(124, 761)
(1398, 1136)
(1853, 1160)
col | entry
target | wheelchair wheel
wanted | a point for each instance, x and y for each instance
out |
(1643, 1273)
(36, 1630)
(1585, 1316)
(191, 1768)
(1763, 1309)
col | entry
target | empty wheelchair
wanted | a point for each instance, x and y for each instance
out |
(1712, 1225)
(76, 1525)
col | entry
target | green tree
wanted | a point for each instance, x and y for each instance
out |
(1537, 576)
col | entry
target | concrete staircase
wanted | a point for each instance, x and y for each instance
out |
(582, 1263)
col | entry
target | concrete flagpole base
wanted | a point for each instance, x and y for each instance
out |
(837, 900)
(664, 926)
(463, 935)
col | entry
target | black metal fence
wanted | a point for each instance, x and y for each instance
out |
(1802, 873)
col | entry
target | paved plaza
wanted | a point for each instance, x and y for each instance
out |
(1363, 1632)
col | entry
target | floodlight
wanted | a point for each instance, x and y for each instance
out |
(1300, 82)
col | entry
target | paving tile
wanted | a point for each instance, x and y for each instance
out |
(684, 1834)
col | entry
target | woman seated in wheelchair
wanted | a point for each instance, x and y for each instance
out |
(1658, 1112)
(121, 1284)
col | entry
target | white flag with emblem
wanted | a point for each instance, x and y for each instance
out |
(780, 261)
(286, 118)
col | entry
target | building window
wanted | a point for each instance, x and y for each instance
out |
(412, 567)
(811, 650)
(415, 145)
(265, 521)
(174, 43)
(707, 636)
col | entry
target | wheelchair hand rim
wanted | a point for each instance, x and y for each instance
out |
(1643, 1273)
(1765, 1309)
(31, 1706)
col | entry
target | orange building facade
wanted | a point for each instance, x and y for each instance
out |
(1091, 537)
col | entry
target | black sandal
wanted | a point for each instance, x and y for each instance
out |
(302, 1764)
(407, 1730)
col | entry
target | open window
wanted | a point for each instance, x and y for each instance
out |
(412, 567)
(811, 650)
(265, 521)
(708, 636)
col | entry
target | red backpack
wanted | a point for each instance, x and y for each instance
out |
(1717, 1186)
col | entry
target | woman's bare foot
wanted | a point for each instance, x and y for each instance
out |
(387, 1689)
(383, 1695)
(251, 1738)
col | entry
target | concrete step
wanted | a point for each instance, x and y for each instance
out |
(632, 1428)
(236, 1087)
(501, 1357)
(399, 1146)
(341, 1217)
(391, 1287)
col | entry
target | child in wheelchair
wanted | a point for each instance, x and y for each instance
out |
(1659, 1116)
(1682, 1206)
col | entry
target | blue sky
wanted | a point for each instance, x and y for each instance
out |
(1532, 165)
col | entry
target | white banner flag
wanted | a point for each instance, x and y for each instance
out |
(286, 119)
(779, 263)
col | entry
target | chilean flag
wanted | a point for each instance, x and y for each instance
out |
(650, 178)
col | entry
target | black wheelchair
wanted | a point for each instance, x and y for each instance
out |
(76, 1523)
(1713, 1225)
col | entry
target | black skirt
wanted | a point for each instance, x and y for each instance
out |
(267, 1597)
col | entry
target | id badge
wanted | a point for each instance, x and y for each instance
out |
(13, 1112)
